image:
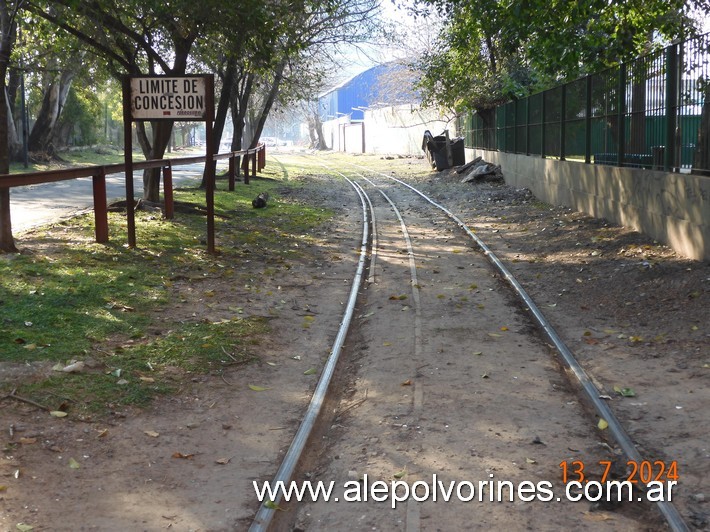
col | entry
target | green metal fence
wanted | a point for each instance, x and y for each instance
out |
(650, 113)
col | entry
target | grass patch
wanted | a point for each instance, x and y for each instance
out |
(67, 298)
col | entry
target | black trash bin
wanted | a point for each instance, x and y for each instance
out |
(441, 161)
(457, 151)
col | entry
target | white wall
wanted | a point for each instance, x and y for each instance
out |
(391, 130)
(399, 130)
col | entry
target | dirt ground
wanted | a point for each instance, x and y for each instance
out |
(634, 312)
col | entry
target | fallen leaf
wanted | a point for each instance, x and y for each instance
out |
(625, 392)
(116, 372)
(271, 364)
(151, 433)
(74, 367)
(386, 344)
(598, 516)
(591, 341)
(102, 433)
(531, 461)
(30, 347)
(273, 506)
(494, 335)
(602, 424)
(28, 441)
(257, 388)
(484, 376)
(408, 382)
(177, 454)
(223, 461)
(73, 464)
(297, 357)
(147, 379)
(398, 298)
(587, 333)
(504, 328)
(400, 474)
(311, 371)
(121, 382)
(58, 413)
(22, 527)
(478, 353)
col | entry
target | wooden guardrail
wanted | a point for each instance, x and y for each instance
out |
(255, 157)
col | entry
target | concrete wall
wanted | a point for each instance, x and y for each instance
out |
(671, 208)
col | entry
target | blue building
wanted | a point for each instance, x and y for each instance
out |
(379, 86)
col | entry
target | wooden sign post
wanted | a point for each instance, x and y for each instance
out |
(184, 98)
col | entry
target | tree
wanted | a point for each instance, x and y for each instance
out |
(140, 37)
(491, 51)
(9, 12)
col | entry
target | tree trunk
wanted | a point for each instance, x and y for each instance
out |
(222, 110)
(8, 34)
(318, 123)
(151, 177)
(53, 102)
(268, 104)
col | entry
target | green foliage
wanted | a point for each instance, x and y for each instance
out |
(129, 312)
(83, 113)
(491, 51)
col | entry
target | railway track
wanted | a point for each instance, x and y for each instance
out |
(458, 394)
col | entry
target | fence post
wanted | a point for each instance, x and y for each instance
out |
(515, 126)
(100, 207)
(527, 126)
(245, 167)
(262, 157)
(231, 173)
(621, 111)
(671, 106)
(168, 192)
(588, 124)
(253, 163)
(542, 126)
(563, 115)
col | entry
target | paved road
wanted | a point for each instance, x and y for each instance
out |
(36, 205)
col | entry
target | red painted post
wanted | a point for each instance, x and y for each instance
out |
(245, 167)
(100, 207)
(231, 173)
(262, 157)
(168, 192)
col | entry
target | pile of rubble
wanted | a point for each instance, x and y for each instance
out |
(479, 170)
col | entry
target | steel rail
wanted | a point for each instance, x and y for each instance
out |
(285, 472)
(669, 511)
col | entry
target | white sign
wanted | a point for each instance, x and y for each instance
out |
(160, 98)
